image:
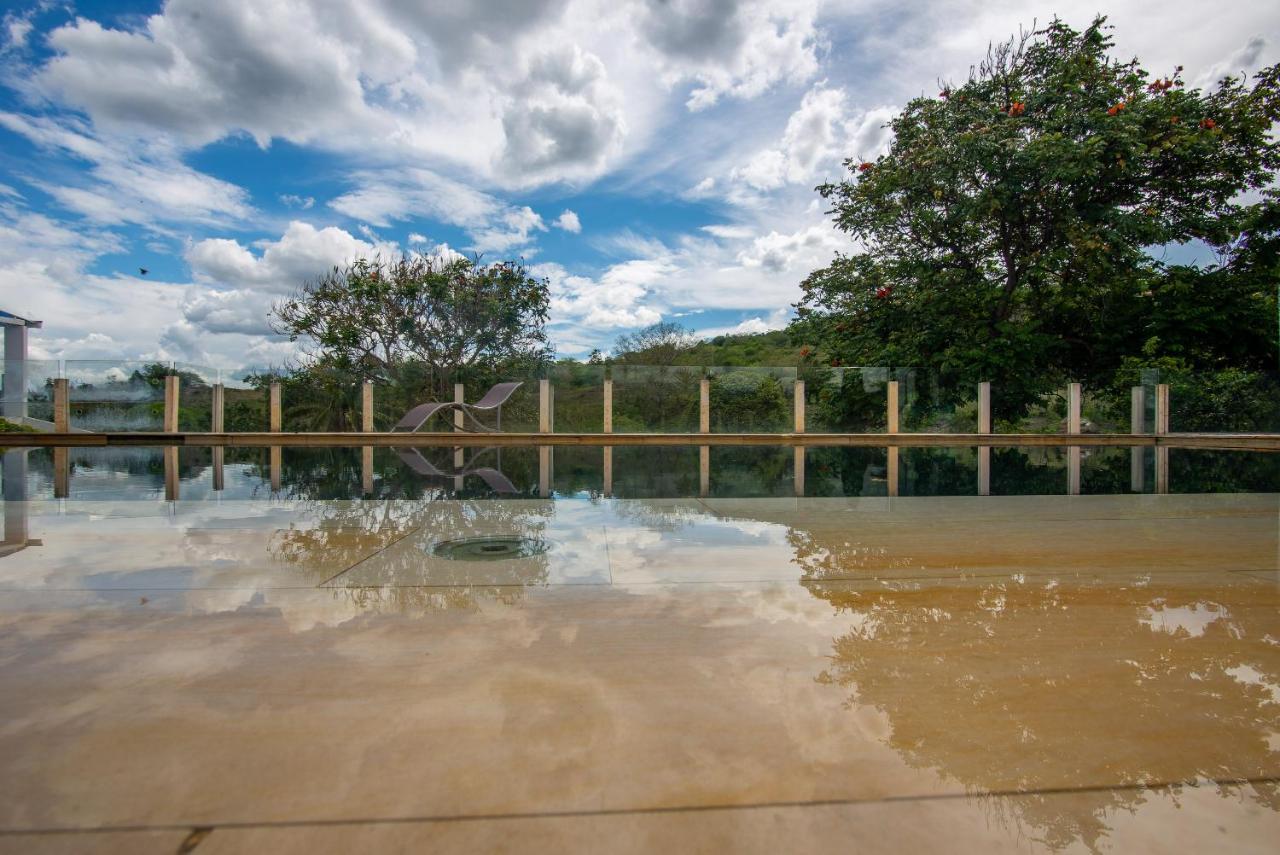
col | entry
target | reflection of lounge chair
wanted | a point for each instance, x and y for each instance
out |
(497, 482)
(492, 400)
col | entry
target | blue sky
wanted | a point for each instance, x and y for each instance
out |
(655, 159)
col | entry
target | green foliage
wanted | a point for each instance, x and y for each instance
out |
(1009, 231)
(748, 401)
(7, 426)
(374, 317)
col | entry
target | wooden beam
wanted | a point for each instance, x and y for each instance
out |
(218, 408)
(984, 407)
(1137, 427)
(704, 405)
(61, 406)
(1162, 429)
(799, 406)
(366, 406)
(171, 387)
(608, 406)
(275, 420)
(891, 404)
(544, 406)
(1074, 397)
(354, 439)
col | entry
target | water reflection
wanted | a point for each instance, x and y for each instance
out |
(1040, 687)
(636, 472)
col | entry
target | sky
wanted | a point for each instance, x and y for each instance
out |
(655, 160)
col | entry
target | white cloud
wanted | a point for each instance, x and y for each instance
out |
(494, 226)
(142, 184)
(529, 92)
(294, 201)
(569, 222)
(818, 135)
(281, 266)
(416, 239)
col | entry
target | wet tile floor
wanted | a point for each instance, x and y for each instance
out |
(971, 674)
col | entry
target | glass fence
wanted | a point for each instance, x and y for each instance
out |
(124, 395)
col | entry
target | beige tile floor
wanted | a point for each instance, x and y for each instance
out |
(969, 674)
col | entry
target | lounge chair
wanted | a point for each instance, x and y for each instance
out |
(497, 482)
(492, 400)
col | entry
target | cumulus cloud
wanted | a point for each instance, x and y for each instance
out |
(817, 136)
(569, 222)
(280, 266)
(293, 200)
(733, 48)
(553, 98)
(387, 196)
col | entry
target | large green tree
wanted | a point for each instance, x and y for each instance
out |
(375, 315)
(1017, 228)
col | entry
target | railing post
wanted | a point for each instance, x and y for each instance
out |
(608, 406)
(544, 406)
(704, 470)
(366, 406)
(218, 406)
(1073, 407)
(892, 406)
(799, 406)
(61, 406)
(1137, 427)
(459, 454)
(704, 405)
(798, 470)
(984, 407)
(171, 384)
(1074, 397)
(274, 419)
(984, 427)
(1162, 429)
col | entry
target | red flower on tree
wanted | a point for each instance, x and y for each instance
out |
(945, 93)
(1116, 108)
(883, 292)
(864, 166)
(1017, 108)
(806, 350)
(1208, 124)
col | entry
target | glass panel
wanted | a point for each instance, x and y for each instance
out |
(578, 398)
(845, 399)
(752, 400)
(111, 395)
(656, 398)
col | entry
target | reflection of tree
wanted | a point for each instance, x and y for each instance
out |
(342, 534)
(1168, 679)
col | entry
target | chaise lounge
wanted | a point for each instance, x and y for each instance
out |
(492, 400)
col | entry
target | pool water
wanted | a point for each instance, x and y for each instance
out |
(293, 663)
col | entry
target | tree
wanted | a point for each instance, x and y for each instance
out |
(374, 315)
(1011, 233)
(660, 344)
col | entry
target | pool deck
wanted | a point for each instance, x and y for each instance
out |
(1225, 441)
(973, 674)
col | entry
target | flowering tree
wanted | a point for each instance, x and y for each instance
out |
(1017, 229)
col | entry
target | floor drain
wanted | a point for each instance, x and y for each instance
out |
(492, 548)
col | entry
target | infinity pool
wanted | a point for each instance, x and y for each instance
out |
(286, 665)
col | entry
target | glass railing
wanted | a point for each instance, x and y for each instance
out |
(129, 395)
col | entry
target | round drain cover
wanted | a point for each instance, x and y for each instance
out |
(492, 548)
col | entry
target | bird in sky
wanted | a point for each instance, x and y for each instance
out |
(143, 271)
